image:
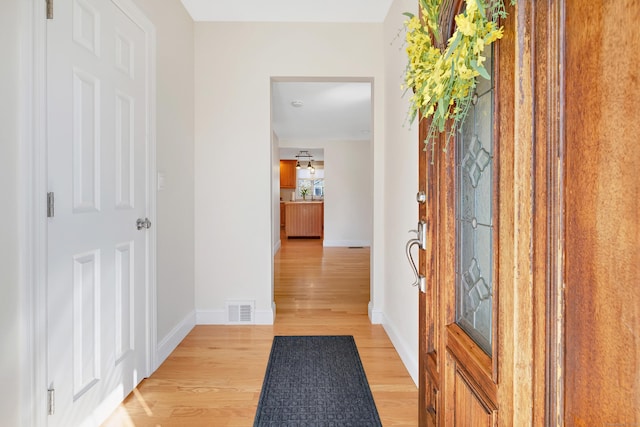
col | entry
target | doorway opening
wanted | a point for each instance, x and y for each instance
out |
(327, 123)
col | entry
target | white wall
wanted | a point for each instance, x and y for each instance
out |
(401, 185)
(175, 156)
(348, 184)
(348, 201)
(10, 302)
(234, 66)
(275, 193)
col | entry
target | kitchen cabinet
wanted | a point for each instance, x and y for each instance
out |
(304, 219)
(282, 214)
(287, 174)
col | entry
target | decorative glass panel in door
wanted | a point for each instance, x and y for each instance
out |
(474, 215)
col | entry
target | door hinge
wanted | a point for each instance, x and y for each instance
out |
(51, 397)
(50, 205)
(49, 9)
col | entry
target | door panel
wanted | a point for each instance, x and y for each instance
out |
(470, 409)
(459, 311)
(430, 391)
(602, 360)
(97, 114)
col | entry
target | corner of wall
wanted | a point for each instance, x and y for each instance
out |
(266, 317)
(404, 351)
(171, 341)
(375, 316)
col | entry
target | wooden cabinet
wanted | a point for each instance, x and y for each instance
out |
(282, 214)
(287, 174)
(304, 219)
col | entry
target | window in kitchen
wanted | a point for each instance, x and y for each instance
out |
(315, 186)
(314, 182)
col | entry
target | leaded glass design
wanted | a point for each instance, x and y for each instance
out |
(474, 215)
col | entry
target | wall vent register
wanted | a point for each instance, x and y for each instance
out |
(240, 312)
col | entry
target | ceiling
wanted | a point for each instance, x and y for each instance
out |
(288, 10)
(321, 111)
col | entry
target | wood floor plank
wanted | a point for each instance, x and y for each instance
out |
(215, 375)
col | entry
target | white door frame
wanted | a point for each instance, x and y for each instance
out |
(32, 205)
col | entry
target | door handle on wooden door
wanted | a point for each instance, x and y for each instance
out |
(421, 242)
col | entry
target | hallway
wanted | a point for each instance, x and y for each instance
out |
(214, 377)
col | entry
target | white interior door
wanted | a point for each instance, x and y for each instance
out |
(97, 121)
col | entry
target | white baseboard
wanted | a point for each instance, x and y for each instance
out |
(266, 317)
(376, 317)
(409, 359)
(277, 246)
(345, 243)
(211, 317)
(174, 338)
(219, 317)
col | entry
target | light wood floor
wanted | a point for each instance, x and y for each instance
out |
(215, 375)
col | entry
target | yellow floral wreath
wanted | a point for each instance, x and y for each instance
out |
(443, 82)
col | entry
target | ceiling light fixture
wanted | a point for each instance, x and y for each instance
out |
(297, 103)
(305, 155)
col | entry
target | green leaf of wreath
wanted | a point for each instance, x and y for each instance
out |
(441, 113)
(481, 7)
(453, 45)
(480, 69)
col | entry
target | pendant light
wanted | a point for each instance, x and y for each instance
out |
(305, 155)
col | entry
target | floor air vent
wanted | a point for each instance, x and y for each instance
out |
(240, 312)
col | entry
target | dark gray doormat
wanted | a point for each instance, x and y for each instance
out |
(315, 381)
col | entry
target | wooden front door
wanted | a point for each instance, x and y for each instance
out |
(460, 308)
(530, 310)
(477, 315)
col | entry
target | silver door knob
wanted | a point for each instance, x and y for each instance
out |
(143, 223)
